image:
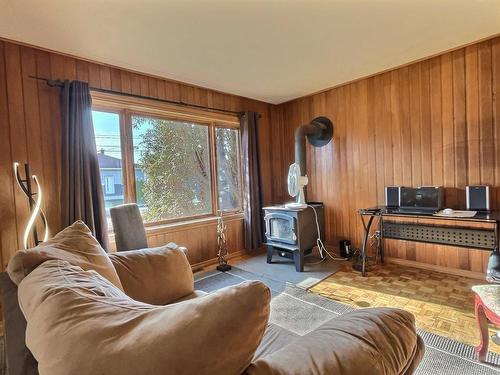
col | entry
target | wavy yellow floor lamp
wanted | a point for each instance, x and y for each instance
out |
(35, 204)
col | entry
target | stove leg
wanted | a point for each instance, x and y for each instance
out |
(298, 259)
(270, 252)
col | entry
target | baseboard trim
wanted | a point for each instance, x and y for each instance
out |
(434, 267)
(211, 262)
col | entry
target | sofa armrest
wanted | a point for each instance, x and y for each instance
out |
(94, 328)
(376, 341)
(157, 276)
(18, 358)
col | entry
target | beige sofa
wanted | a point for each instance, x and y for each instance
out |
(137, 312)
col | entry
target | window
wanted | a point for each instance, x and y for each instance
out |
(228, 168)
(109, 154)
(176, 164)
(172, 173)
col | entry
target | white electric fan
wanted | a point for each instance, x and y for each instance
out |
(296, 183)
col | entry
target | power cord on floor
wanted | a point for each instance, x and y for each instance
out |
(321, 246)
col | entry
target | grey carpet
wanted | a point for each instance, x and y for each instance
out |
(299, 312)
(283, 269)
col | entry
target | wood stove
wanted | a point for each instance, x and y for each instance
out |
(292, 232)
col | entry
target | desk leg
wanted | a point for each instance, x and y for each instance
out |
(381, 240)
(496, 236)
(365, 243)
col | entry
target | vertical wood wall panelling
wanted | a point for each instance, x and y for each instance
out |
(434, 122)
(448, 129)
(486, 132)
(32, 113)
(459, 259)
(18, 146)
(48, 101)
(8, 229)
(30, 132)
(425, 122)
(496, 113)
(472, 111)
(460, 129)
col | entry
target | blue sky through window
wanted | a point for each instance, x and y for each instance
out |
(107, 134)
(137, 137)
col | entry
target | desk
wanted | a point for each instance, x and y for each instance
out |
(478, 232)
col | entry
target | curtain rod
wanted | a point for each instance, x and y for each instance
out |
(60, 83)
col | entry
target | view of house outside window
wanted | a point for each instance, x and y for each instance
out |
(109, 154)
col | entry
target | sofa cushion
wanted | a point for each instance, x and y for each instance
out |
(94, 328)
(75, 244)
(157, 276)
(377, 341)
(275, 338)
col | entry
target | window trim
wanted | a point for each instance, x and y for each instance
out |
(126, 107)
(120, 102)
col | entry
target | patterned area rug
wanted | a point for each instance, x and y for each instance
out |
(300, 311)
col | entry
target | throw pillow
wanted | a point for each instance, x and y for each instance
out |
(74, 244)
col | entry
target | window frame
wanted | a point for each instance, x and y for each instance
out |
(127, 107)
(216, 126)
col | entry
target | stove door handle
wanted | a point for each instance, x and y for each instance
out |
(268, 232)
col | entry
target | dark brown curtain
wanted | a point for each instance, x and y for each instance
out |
(81, 190)
(252, 196)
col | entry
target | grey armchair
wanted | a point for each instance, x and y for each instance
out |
(128, 227)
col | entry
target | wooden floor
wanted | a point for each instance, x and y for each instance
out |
(442, 303)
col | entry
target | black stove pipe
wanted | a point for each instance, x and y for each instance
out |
(318, 132)
(300, 144)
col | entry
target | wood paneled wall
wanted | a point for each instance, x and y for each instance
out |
(30, 132)
(200, 239)
(435, 122)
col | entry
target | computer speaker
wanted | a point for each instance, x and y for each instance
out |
(477, 198)
(393, 196)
